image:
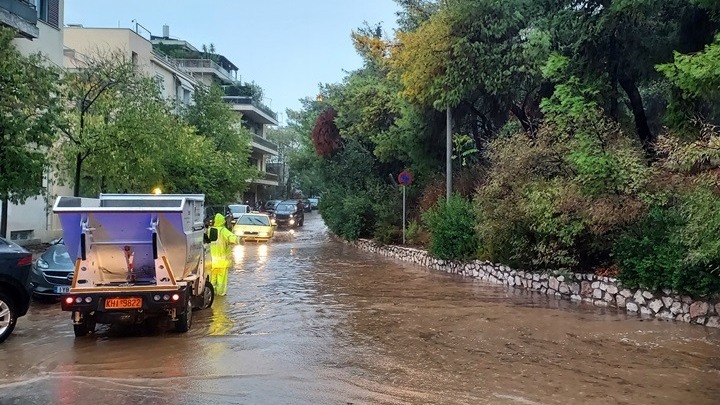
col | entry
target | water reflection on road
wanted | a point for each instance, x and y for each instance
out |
(310, 320)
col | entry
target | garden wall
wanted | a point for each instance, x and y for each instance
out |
(596, 290)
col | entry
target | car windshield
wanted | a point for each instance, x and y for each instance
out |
(254, 220)
(61, 255)
(271, 204)
(286, 207)
(237, 209)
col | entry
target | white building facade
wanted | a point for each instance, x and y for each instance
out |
(39, 26)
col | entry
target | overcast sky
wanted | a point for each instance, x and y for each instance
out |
(286, 46)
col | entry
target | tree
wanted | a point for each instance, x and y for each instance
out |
(30, 110)
(325, 134)
(94, 92)
(225, 158)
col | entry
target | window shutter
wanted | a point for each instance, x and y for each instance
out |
(54, 13)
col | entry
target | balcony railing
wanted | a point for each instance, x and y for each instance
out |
(205, 64)
(264, 142)
(271, 176)
(20, 15)
(244, 100)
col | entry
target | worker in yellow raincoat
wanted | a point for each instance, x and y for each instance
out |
(220, 251)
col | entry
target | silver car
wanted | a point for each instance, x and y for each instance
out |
(52, 272)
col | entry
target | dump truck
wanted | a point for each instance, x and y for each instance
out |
(138, 258)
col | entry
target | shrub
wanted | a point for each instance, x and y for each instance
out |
(675, 246)
(452, 229)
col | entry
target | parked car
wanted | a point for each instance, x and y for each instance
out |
(15, 264)
(211, 210)
(290, 213)
(314, 202)
(307, 205)
(254, 227)
(237, 210)
(52, 272)
(269, 206)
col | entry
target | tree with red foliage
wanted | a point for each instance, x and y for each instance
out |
(325, 135)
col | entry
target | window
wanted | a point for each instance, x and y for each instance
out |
(134, 58)
(21, 235)
(42, 9)
(48, 11)
(160, 80)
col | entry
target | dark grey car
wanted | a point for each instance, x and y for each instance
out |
(52, 272)
(15, 263)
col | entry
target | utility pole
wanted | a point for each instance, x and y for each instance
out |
(448, 156)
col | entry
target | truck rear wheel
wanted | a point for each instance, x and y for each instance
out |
(184, 320)
(86, 326)
(208, 295)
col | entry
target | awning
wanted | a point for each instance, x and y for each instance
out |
(184, 83)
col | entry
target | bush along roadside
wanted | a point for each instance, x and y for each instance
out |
(596, 290)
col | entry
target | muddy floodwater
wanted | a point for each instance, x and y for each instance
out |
(310, 320)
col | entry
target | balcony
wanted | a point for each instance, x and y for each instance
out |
(253, 109)
(263, 146)
(20, 15)
(206, 66)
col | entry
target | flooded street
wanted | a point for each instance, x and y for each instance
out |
(310, 320)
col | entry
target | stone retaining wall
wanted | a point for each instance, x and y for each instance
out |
(598, 291)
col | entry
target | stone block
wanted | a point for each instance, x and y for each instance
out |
(595, 284)
(699, 320)
(667, 291)
(597, 293)
(586, 288)
(638, 297)
(698, 308)
(676, 308)
(667, 301)
(655, 305)
(612, 289)
(561, 278)
(575, 297)
(536, 277)
(620, 301)
(686, 318)
(648, 295)
(609, 298)
(553, 283)
(574, 288)
(665, 314)
(564, 289)
(600, 303)
(603, 286)
(713, 322)
(686, 299)
(685, 308)
(631, 307)
(646, 311)
(717, 308)
(626, 293)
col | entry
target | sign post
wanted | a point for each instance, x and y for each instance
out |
(405, 179)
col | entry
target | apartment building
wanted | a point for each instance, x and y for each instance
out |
(208, 67)
(175, 83)
(39, 27)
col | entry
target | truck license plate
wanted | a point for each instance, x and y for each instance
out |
(123, 303)
(62, 289)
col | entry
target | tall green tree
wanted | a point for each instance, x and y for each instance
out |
(94, 91)
(30, 110)
(226, 163)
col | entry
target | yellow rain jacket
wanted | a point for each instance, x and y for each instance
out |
(220, 249)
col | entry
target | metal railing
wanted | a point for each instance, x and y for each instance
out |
(205, 64)
(245, 100)
(21, 8)
(264, 142)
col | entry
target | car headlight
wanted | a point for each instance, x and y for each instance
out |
(263, 234)
(42, 264)
(292, 221)
(273, 221)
